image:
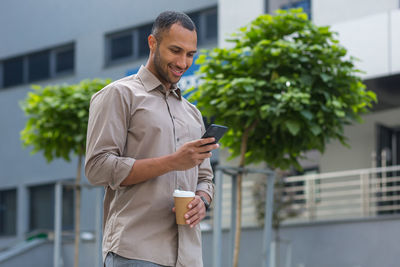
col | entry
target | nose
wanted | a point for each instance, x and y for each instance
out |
(183, 62)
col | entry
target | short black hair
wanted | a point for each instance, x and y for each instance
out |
(166, 19)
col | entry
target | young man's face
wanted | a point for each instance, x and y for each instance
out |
(173, 55)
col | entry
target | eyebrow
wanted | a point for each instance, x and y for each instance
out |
(180, 48)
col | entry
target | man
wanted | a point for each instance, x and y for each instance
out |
(143, 142)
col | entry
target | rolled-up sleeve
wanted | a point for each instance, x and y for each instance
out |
(205, 182)
(109, 116)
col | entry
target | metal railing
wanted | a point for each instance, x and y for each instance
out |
(343, 195)
(233, 173)
(249, 212)
(316, 197)
(340, 195)
(57, 252)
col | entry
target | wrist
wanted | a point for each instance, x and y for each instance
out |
(205, 198)
(206, 203)
(170, 163)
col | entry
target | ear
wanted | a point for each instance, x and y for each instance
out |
(152, 42)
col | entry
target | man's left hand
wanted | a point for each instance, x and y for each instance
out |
(196, 213)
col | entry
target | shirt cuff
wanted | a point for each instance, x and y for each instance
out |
(121, 172)
(207, 188)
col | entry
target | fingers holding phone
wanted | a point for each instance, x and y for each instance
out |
(193, 153)
(216, 131)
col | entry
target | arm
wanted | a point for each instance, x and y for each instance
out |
(109, 115)
(107, 129)
(188, 156)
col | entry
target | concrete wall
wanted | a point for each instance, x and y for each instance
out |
(374, 40)
(367, 243)
(362, 25)
(328, 12)
(42, 255)
(358, 243)
(44, 24)
(362, 140)
(233, 14)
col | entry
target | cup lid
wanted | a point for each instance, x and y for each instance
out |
(181, 193)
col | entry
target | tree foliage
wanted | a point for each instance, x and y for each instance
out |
(287, 81)
(58, 117)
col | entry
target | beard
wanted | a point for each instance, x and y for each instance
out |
(162, 73)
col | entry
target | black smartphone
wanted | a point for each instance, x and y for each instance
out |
(216, 131)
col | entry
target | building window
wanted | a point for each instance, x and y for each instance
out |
(388, 154)
(45, 64)
(207, 25)
(197, 21)
(65, 59)
(121, 46)
(68, 208)
(42, 200)
(143, 33)
(13, 71)
(304, 4)
(39, 66)
(211, 25)
(8, 212)
(388, 146)
(128, 45)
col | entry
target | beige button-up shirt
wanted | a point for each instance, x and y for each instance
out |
(136, 118)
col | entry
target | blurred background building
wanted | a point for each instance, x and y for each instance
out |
(349, 218)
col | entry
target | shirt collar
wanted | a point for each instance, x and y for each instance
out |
(151, 82)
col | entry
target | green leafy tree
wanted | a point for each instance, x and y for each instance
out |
(57, 125)
(285, 87)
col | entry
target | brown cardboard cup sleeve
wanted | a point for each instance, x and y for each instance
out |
(182, 200)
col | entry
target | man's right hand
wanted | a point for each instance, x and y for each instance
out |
(188, 156)
(193, 153)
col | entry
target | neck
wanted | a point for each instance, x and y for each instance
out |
(153, 70)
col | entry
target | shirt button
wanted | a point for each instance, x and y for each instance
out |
(177, 139)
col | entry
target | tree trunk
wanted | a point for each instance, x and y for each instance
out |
(77, 210)
(243, 150)
(238, 219)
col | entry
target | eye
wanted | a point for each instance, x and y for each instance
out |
(190, 55)
(174, 50)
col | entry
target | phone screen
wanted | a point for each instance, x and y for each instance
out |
(216, 131)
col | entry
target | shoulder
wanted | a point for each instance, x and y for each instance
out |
(124, 89)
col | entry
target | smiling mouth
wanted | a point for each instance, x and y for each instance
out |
(176, 72)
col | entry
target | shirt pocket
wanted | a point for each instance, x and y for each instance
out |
(186, 130)
(194, 130)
